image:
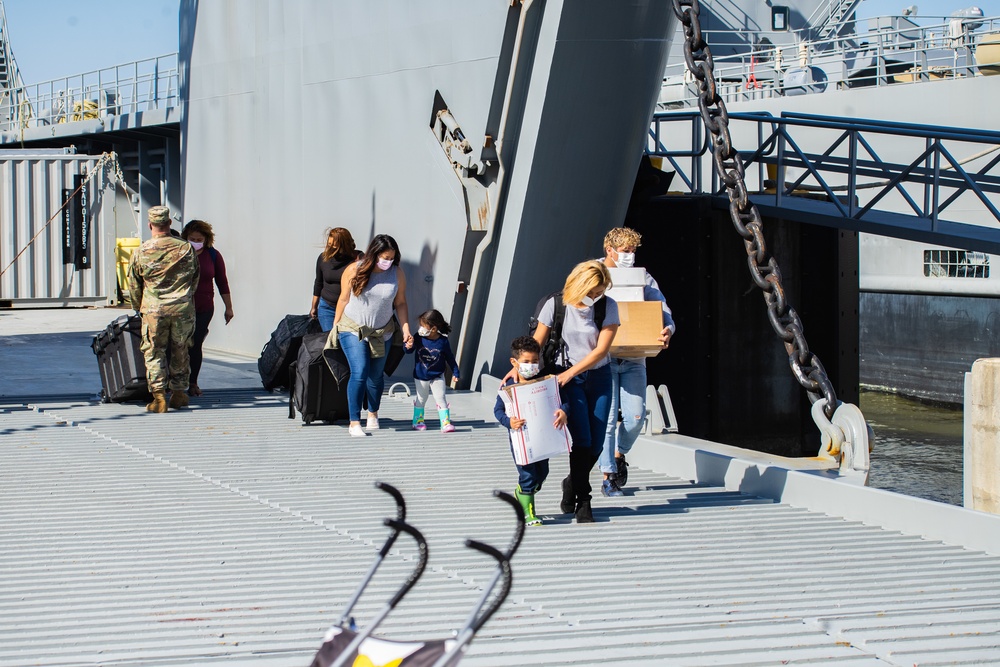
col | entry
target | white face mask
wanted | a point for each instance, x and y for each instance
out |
(626, 260)
(196, 245)
(384, 264)
(527, 371)
(423, 331)
(588, 301)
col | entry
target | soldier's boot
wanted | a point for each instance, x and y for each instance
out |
(178, 399)
(159, 403)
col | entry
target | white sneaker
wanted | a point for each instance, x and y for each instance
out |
(356, 431)
(372, 424)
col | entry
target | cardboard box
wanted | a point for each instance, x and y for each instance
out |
(638, 335)
(536, 403)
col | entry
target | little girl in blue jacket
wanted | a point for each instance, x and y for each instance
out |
(433, 356)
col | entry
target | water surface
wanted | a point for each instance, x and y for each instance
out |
(918, 447)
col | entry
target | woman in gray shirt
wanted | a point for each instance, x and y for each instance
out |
(586, 384)
(370, 290)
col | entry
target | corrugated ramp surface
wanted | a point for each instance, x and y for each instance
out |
(229, 533)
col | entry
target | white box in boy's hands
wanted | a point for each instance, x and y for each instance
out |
(536, 403)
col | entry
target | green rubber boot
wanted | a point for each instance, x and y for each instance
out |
(527, 501)
(444, 414)
(418, 419)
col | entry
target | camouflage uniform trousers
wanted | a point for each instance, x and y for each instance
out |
(166, 336)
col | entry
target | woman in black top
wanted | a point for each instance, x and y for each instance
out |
(338, 255)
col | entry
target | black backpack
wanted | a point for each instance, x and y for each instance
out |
(554, 358)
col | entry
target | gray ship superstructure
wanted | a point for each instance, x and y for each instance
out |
(928, 309)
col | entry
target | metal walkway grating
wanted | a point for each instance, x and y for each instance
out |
(233, 534)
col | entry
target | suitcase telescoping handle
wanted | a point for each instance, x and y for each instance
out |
(291, 389)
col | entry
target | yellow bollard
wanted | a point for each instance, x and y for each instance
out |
(123, 253)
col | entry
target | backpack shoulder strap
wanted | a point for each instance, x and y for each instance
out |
(600, 312)
(558, 317)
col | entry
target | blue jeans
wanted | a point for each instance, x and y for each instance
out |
(628, 392)
(531, 476)
(325, 314)
(366, 375)
(589, 399)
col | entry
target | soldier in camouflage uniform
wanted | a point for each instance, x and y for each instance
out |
(163, 275)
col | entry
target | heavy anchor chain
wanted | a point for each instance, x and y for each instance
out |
(845, 435)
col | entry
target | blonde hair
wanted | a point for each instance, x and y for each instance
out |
(622, 237)
(585, 277)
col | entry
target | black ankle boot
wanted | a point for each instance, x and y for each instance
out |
(568, 502)
(583, 513)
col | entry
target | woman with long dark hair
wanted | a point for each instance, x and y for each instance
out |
(371, 289)
(338, 254)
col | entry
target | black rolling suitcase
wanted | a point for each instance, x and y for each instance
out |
(120, 360)
(318, 384)
(283, 348)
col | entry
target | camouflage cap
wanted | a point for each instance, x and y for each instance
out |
(159, 216)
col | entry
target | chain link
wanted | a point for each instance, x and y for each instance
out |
(806, 366)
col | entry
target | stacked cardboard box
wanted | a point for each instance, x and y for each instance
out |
(641, 321)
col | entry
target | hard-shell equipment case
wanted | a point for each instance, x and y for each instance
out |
(317, 382)
(344, 643)
(120, 360)
(283, 348)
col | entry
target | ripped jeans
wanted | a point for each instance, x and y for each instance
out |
(628, 393)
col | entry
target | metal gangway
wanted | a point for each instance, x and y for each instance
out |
(925, 183)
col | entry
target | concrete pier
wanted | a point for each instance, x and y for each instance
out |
(982, 436)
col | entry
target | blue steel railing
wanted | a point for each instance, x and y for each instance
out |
(930, 175)
(138, 86)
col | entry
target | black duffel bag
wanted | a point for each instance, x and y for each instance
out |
(279, 352)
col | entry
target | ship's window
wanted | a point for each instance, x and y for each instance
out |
(956, 264)
(779, 19)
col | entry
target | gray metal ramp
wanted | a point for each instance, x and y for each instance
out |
(229, 533)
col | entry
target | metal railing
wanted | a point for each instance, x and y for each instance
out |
(142, 85)
(907, 54)
(928, 178)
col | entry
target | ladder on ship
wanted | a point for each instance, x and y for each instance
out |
(10, 78)
(834, 23)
